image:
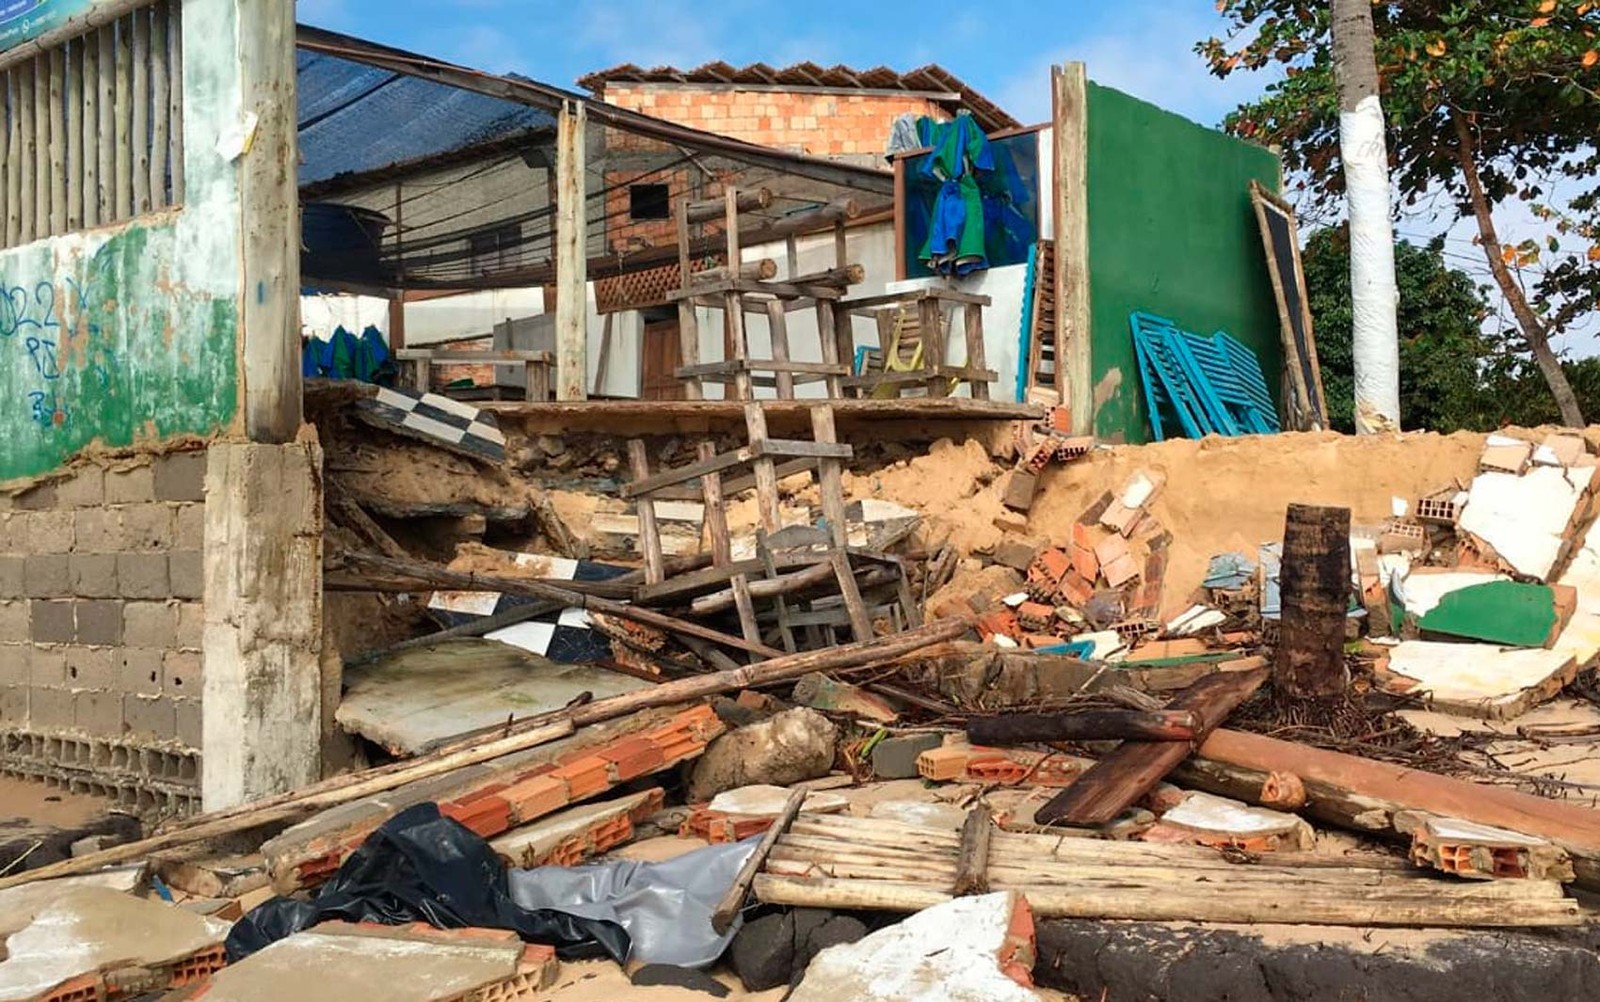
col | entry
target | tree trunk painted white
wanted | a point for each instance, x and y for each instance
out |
(1374, 297)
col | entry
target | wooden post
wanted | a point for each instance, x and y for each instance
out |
(73, 180)
(1074, 334)
(572, 328)
(175, 98)
(160, 105)
(649, 532)
(270, 199)
(1315, 584)
(58, 141)
(141, 112)
(122, 71)
(8, 163)
(41, 146)
(21, 180)
(972, 860)
(105, 140)
(733, 901)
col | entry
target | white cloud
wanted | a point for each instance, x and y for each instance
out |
(664, 33)
(1149, 54)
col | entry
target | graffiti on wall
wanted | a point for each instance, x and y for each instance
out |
(54, 326)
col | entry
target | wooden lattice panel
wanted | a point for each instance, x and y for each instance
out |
(640, 289)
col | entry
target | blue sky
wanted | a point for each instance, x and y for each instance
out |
(1003, 48)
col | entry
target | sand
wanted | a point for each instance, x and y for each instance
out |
(1221, 494)
(32, 801)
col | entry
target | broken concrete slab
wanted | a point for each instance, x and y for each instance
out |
(1205, 819)
(418, 697)
(94, 932)
(1421, 589)
(972, 949)
(336, 962)
(787, 748)
(896, 757)
(764, 800)
(1480, 680)
(19, 904)
(1526, 520)
(1513, 613)
(920, 813)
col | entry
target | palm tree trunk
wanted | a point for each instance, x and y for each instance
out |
(1375, 340)
(1533, 330)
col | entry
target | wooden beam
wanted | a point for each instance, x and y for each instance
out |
(270, 224)
(1083, 725)
(1074, 322)
(572, 307)
(1121, 778)
(733, 901)
(972, 861)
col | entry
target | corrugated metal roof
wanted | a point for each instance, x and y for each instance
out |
(931, 78)
(356, 118)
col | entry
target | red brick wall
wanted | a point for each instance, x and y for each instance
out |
(821, 124)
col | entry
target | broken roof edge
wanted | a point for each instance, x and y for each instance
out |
(541, 95)
(924, 79)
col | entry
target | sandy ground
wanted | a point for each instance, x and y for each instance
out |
(27, 800)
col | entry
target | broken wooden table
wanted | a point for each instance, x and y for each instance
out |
(894, 314)
(535, 366)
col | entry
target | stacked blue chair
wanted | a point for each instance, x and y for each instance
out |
(1196, 386)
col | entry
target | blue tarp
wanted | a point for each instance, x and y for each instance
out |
(356, 118)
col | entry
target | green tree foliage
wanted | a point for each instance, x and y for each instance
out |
(1453, 375)
(1487, 101)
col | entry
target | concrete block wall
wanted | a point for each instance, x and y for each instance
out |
(101, 622)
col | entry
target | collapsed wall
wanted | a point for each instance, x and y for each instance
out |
(101, 626)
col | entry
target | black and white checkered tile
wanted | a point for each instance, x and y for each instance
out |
(563, 636)
(448, 423)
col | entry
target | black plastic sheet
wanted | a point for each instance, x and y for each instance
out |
(423, 867)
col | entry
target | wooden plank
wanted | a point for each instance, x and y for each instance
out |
(23, 142)
(751, 287)
(122, 71)
(972, 324)
(1119, 779)
(755, 421)
(175, 100)
(572, 308)
(1073, 347)
(705, 210)
(683, 474)
(58, 141)
(649, 531)
(105, 140)
(8, 165)
(140, 125)
(733, 901)
(778, 333)
(800, 448)
(270, 223)
(1082, 725)
(972, 861)
(41, 146)
(74, 182)
(759, 365)
(457, 357)
(688, 323)
(160, 105)
(866, 304)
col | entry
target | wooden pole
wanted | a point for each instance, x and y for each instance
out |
(1073, 348)
(23, 139)
(572, 300)
(41, 146)
(58, 141)
(160, 105)
(89, 146)
(733, 901)
(1083, 725)
(140, 124)
(972, 861)
(175, 99)
(122, 71)
(74, 177)
(105, 140)
(1315, 585)
(8, 163)
(270, 200)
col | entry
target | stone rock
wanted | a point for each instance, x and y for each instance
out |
(774, 950)
(551, 445)
(792, 746)
(678, 977)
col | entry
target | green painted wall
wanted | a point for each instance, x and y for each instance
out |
(129, 333)
(1171, 232)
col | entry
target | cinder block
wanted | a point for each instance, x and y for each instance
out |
(191, 625)
(93, 575)
(189, 526)
(181, 476)
(51, 622)
(11, 577)
(180, 673)
(14, 621)
(187, 728)
(100, 622)
(147, 527)
(139, 671)
(143, 575)
(896, 758)
(97, 530)
(14, 664)
(50, 709)
(84, 489)
(40, 498)
(150, 624)
(92, 667)
(13, 529)
(130, 486)
(47, 532)
(97, 712)
(14, 706)
(153, 717)
(47, 575)
(188, 575)
(47, 667)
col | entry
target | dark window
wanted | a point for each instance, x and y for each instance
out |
(496, 249)
(648, 201)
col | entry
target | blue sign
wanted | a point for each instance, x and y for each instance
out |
(21, 20)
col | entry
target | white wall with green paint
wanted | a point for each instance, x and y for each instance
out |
(129, 333)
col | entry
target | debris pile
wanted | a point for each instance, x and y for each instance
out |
(718, 767)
